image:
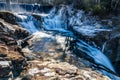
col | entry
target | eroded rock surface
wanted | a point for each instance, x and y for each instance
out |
(50, 69)
(11, 56)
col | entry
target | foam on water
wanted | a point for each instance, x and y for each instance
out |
(28, 22)
(57, 22)
(89, 30)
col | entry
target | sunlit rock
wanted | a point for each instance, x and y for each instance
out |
(54, 69)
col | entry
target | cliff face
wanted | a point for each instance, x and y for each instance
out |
(41, 57)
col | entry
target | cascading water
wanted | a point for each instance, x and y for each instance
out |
(61, 20)
(103, 47)
(16, 6)
(28, 22)
(95, 54)
(99, 58)
(57, 22)
(84, 25)
(66, 20)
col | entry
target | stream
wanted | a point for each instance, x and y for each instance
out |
(71, 23)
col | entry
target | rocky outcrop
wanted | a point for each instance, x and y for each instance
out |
(12, 59)
(50, 69)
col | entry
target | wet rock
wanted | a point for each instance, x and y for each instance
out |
(48, 68)
(38, 17)
(8, 17)
(21, 33)
(5, 69)
(3, 55)
(3, 51)
(18, 66)
(9, 31)
(112, 51)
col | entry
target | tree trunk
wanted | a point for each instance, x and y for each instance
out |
(8, 5)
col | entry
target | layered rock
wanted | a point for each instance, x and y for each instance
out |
(49, 69)
(11, 56)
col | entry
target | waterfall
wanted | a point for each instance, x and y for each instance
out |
(56, 23)
(2, 6)
(85, 25)
(67, 21)
(25, 7)
(95, 54)
(28, 22)
(98, 57)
